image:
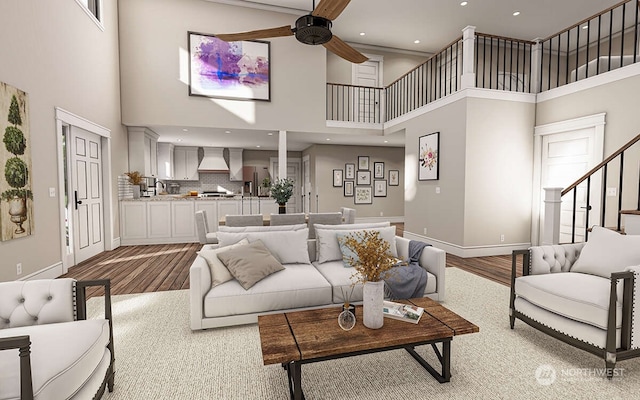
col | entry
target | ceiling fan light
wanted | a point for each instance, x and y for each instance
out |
(313, 30)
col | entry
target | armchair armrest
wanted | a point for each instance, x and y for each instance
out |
(23, 344)
(630, 324)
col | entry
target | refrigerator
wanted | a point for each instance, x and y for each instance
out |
(253, 176)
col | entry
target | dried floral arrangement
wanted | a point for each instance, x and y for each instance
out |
(374, 258)
(135, 177)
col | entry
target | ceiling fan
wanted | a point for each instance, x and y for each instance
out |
(313, 29)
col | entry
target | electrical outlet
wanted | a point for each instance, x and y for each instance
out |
(381, 214)
(19, 268)
(502, 238)
(425, 231)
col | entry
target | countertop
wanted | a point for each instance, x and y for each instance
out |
(185, 197)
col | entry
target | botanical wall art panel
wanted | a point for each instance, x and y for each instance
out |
(429, 157)
(362, 195)
(232, 70)
(16, 205)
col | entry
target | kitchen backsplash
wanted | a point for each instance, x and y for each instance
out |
(209, 182)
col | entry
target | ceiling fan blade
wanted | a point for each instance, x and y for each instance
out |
(330, 9)
(340, 48)
(259, 34)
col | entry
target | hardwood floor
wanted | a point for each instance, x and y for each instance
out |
(153, 268)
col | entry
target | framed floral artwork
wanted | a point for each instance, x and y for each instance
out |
(378, 170)
(429, 157)
(363, 163)
(337, 178)
(394, 177)
(363, 178)
(348, 188)
(362, 195)
(380, 188)
(349, 171)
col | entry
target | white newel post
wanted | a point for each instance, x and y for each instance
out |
(468, 78)
(552, 205)
(536, 60)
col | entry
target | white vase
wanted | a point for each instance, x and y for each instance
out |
(136, 191)
(372, 296)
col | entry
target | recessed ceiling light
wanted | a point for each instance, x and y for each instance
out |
(515, 14)
(327, 139)
(227, 131)
(270, 134)
(257, 145)
(464, 3)
(185, 130)
(179, 140)
(386, 141)
(362, 33)
(416, 41)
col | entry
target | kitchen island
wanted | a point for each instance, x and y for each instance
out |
(171, 218)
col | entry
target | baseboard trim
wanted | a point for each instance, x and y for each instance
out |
(115, 243)
(470, 251)
(50, 272)
(379, 219)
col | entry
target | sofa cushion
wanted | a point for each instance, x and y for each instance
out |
(341, 279)
(250, 263)
(219, 272)
(298, 285)
(288, 247)
(63, 357)
(328, 247)
(607, 251)
(261, 228)
(581, 297)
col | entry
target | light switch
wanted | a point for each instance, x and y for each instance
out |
(611, 192)
(52, 192)
(437, 189)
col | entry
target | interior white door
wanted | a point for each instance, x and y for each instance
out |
(366, 76)
(566, 157)
(86, 192)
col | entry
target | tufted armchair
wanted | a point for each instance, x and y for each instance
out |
(48, 349)
(583, 294)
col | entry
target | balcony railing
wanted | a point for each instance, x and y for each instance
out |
(351, 103)
(503, 63)
(598, 44)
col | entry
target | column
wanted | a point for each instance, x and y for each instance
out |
(552, 205)
(468, 78)
(282, 154)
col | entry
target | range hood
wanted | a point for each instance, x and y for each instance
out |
(213, 161)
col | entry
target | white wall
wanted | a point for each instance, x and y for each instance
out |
(55, 53)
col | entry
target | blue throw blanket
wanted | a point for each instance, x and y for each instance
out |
(408, 280)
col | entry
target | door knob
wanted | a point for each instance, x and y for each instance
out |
(76, 199)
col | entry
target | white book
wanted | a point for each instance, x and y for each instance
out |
(403, 312)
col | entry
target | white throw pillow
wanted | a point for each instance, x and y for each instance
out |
(329, 248)
(268, 228)
(288, 247)
(607, 251)
(219, 273)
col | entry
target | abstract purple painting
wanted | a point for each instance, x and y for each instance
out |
(231, 70)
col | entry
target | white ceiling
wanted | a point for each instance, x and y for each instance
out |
(397, 24)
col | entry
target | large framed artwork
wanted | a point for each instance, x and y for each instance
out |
(16, 197)
(429, 157)
(229, 70)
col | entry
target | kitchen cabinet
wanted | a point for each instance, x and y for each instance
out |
(183, 215)
(165, 161)
(143, 151)
(133, 220)
(185, 166)
(158, 219)
(235, 165)
(228, 207)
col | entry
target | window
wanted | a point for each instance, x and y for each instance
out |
(93, 8)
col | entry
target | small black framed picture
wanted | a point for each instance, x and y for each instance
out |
(362, 195)
(394, 177)
(337, 178)
(380, 188)
(378, 170)
(349, 171)
(363, 163)
(348, 188)
(363, 178)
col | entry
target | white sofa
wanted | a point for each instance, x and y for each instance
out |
(585, 294)
(305, 283)
(49, 349)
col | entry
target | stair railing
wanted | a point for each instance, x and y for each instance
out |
(587, 177)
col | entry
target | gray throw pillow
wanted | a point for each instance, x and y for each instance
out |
(250, 263)
(219, 273)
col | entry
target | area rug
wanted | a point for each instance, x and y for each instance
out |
(159, 357)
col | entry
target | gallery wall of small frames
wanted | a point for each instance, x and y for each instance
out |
(365, 180)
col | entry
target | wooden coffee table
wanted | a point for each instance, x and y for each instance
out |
(301, 337)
